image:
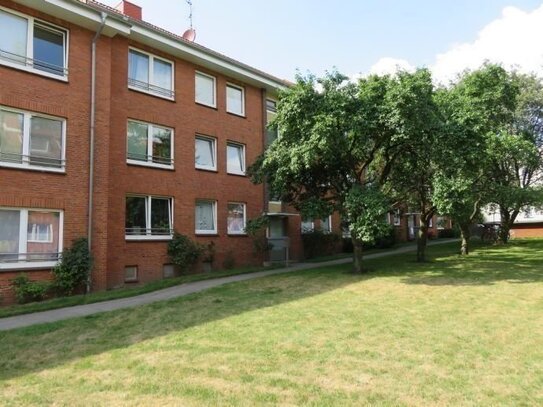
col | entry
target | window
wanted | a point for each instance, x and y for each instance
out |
(29, 140)
(235, 158)
(130, 274)
(235, 100)
(33, 45)
(205, 90)
(148, 144)
(271, 111)
(307, 226)
(205, 153)
(29, 238)
(326, 224)
(150, 74)
(206, 217)
(236, 218)
(396, 217)
(148, 217)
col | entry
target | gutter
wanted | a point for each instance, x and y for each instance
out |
(91, 137)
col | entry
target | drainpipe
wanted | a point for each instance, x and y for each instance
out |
(91, 135)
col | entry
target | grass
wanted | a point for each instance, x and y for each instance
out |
(453, 331)
(100, 296)
(55, 303)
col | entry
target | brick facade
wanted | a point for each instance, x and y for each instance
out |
(114, 178)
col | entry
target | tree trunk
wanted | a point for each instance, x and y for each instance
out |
(505, 226)
(422, 239)
(357, 256)
(464, 235)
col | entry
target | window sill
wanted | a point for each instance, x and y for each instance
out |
(206, 169)
(34, 71)
(150, 165)
(231, 234)
(32, 168)
(204, 233)
(38, 265)
(239, 174)
(155, 94)
(214, 107)
(143, 238)
(241, 116)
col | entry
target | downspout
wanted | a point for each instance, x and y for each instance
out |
(91, 136)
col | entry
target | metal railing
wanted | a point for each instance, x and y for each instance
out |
(33, 63)
(138, 231)
(151, 88)
(29, 257)
(38, 160)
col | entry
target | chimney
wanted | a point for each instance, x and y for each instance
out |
(129, 9)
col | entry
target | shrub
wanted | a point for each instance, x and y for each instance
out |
(183, 251)
(29, 291)
(73, 271)
(447, 233)
(317, 243)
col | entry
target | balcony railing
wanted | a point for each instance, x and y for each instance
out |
(157, 90)
(33, 63)
(31, 160)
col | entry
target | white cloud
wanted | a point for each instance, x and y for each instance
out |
(389, 66)
(514, 40)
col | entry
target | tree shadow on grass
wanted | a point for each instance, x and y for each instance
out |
(41, 347)
(518, 263)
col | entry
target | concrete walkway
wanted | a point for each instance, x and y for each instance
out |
(59, 314)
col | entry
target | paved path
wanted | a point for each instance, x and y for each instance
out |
(59, 314)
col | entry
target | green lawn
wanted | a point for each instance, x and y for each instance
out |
(449, 332)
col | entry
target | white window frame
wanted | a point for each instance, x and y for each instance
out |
(148, 235)
(214, 104)
(242, 89)
(26, 164)
(239, 145)
(206, 232)
(149, 162)
(29, 61)
(22, 263)
(151, 69)
(213, 141)
(242, 232)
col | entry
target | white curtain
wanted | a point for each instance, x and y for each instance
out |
(205, 90)
(13, 37)
(11, 136)
(138, 67)
(204, 153)
(234, 100)
(205, 216)
(162, 74)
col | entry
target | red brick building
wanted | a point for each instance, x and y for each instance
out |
(116, 130)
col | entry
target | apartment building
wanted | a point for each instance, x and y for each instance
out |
(116, 130)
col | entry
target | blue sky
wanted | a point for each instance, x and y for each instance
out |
(281, 36)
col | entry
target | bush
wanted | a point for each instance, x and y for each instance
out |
(73, 271)
(183, 251)
(317, 243)
(384, 242)
(447, 233)
(29, 291)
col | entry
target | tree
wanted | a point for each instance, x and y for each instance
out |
(516, 152)
(337, 148)
(474, 107)
(418, 121)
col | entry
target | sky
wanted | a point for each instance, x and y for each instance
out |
(283, 37)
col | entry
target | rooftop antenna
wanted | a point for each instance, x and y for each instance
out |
(190, 34)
